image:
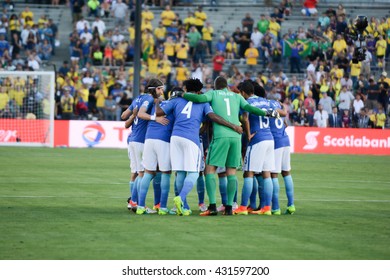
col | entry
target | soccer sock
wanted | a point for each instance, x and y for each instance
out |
(180, 176)
(157, 188)
(189, 183)
(246, 190)
(131, 186)
(134, 191)
(252, 198)
(267, 191)
(222, 189)
(275, 194)
(210, 188)
(260, 180)
(288, 182)
(175, 186)
(200, 188)
(235, 194)
(144, 187)
(185, 204)
(165, 185)
(231, 188)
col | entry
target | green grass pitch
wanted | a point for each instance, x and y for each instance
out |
(71, 204)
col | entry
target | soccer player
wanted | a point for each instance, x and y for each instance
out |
(142, 103)
(282, 163)
(260, 152)
(156, 151)
(225, 148)
(185, 151)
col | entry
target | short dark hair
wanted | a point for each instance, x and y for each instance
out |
(220, 83)
(247, 87)
(193, 85)
(258, 89)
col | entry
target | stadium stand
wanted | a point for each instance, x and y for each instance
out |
(225, 18)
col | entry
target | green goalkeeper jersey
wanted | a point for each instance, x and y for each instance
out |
(226, 104)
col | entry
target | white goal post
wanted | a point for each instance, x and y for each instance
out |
(27, 108)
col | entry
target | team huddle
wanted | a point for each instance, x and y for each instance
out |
(167, 136)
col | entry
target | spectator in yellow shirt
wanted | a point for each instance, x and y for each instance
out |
(147, 14)
(355, 72)
(207, 35)
(153, 64)
(182, 72)
(274, 27)
(231, 49)
(189, 21)
(26, 13)
(251, 55)
(167, 16)
(339, 46)
(67, 103)
(164, 67)
(4, 98)
(380, 118)
(182, 49)
(200, 18)
(160, 33)
(381, 47)
(169, 49)
(101, 95)
(17, 94)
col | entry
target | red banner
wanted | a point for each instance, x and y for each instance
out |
(29, 131)
(342, 141)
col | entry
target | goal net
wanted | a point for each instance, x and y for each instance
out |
(27, 108)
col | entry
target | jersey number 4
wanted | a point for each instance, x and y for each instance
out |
(187, 110)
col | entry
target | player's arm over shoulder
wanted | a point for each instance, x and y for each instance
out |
(199, 98)
(218, 119)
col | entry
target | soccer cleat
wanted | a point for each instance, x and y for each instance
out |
(266, 210)
(132, 205)
(221, 208)
(202, 207)
(156, 207)
(242, 210)
(235, 206)
(141, 210)
(209, 212)
(150, 211)
(228, 212)
(163, 211)
(276, 212)
(128, 203)
(187, 212)
(173, 211)
(290, 210)
(250, 209)
(179, 205)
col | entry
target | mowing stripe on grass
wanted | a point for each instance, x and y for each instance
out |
(115, 197)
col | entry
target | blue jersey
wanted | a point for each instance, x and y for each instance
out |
(278, 128)
(188, 117)
(138, 129)
(158, 131)
(259, 124)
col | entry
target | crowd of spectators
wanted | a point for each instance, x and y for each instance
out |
(98, 75)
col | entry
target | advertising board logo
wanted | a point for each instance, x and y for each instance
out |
(311, 140)
(93, 134)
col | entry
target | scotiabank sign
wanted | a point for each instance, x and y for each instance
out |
(98, 134)
(342, 141)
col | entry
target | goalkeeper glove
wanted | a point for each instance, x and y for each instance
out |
(272, 113)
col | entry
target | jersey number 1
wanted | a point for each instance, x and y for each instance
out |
(227, 106)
